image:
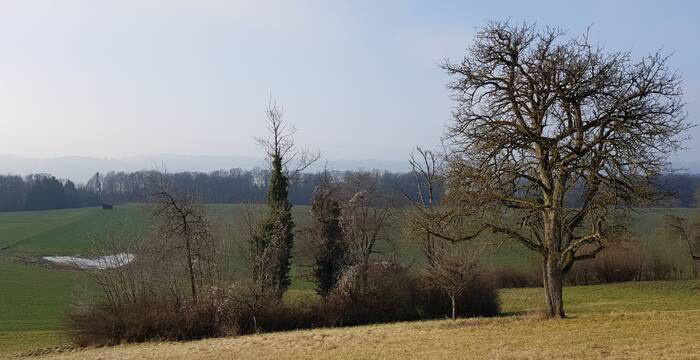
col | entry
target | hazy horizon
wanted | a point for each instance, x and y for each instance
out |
(81, 168)
(359, 80)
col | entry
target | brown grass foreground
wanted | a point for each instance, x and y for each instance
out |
(656, 334)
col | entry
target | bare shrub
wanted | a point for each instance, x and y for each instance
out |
(164, 293)
(366, 219)
(153, 318)
(452, 272)
(614, 264)
(506, 277)
(393, 293)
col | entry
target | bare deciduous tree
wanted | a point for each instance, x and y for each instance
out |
(452, 271)
(280, 144)
(425, 219)
(183, 234)
(688, 233)
(537, 115)
(365, 220)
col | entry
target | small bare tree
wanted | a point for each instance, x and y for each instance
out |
(439, 230)
(183, 234)
(366, 219)
(425, 219)
(452, 271)
(537, 116)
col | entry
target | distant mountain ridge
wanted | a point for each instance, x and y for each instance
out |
(81, 168)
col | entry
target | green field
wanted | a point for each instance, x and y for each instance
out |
(34, 298)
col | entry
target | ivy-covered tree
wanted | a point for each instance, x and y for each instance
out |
(327, 236)
(273, 241)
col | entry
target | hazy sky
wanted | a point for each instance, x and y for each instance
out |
(359, 79)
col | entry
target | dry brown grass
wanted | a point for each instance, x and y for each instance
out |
(658, 335)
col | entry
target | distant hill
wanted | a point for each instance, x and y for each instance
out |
(81, 168)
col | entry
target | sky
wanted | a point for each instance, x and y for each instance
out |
(358, 79)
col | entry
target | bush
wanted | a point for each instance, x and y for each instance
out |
(614, 264)
(504, 277)
(392, 294)
(479, 298)
(395, 294)
(658, 267)
(624, 262)
(145, 320)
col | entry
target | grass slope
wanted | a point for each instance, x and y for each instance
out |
(643, 320)
(34, 299)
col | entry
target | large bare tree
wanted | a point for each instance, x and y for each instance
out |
(537, 116)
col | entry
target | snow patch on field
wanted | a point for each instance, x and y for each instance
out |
(101, 263)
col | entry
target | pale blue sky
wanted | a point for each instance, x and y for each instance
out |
(359, 79)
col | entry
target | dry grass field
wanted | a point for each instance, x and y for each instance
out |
(637, 320)
(640, 335)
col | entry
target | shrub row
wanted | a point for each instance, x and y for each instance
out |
(614, 264)
(393, 294)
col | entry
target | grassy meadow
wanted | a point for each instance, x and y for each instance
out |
(639, 320)
(34, 296)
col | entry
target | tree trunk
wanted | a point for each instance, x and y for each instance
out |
(553, 283)
(454, 308)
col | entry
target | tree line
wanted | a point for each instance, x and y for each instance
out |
(238, 186)
(233, 186)
(43, 192)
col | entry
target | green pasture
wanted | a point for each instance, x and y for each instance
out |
(34, 297)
